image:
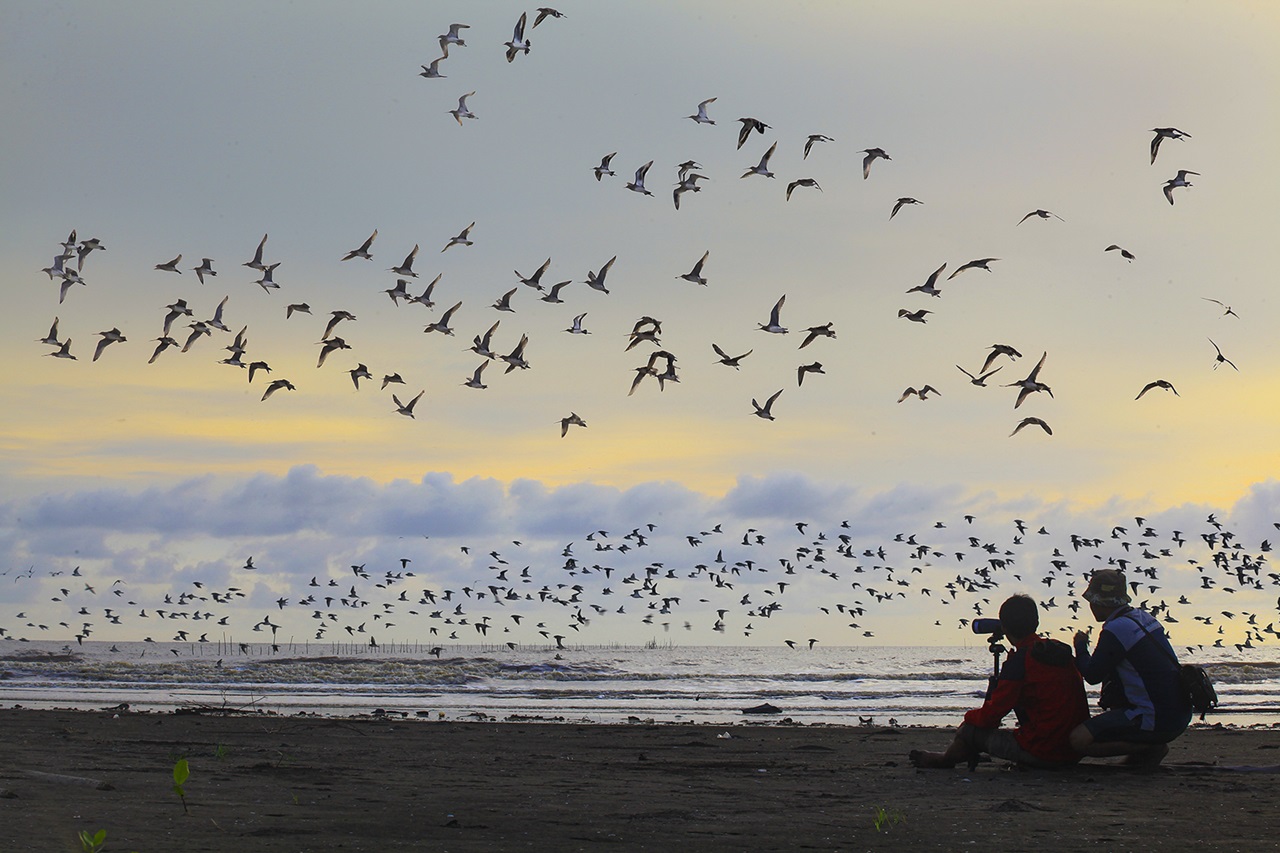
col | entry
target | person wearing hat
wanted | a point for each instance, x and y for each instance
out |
(1144, 703)
(1040, 684)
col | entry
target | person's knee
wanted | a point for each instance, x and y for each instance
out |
(1081, 738)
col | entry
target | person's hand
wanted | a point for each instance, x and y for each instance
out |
(1082, 639)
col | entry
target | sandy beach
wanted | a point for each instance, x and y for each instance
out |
(272, 783)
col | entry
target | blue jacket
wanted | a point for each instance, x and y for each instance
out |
(1134, 656)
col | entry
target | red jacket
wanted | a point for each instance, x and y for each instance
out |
(1039, 682)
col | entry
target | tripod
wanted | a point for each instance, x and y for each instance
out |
(997, 649)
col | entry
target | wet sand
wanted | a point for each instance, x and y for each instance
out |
(274, 784)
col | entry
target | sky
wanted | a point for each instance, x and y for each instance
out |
(164, 130)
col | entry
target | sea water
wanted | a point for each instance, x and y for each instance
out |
(591, 684)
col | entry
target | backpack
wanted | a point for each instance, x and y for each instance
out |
(1194, 679)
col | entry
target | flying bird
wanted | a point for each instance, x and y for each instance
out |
(802, 182)
(774, 325)
(749, 125)
(765, 411)
(1226, 309)
(406, 409)
(256, 263)
(1031, 383)
(171, 266)
(732, 361)
(1162, 133)
(826, 330)
(915, 316)
(1043, 214)
(463, 238)
(701, 115)
(545, 12)
(814, 137)
(205, 268)
(762, 168)
(1179, 180)
(1031, 422)
(816, 367)
(1124, 253)
(452, 37)
(980, 263)
(603, 168)
(1159, 383)
(571, 420)
(1221, 359)
(363, 251)
(872, 155)
(595, 280)
(695, 275)
(897, 205)
(462, 112)
(518, 43)
(981, 379)
(406, 268)
(638, 184)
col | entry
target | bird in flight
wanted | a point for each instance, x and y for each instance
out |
(1179, 180)
(816, 367)
(981, 379)
(701, 115)
(814, 137)
(872, 155)
(1221, 359)
(406, 409)
(1043, 214)
(980, 263)
(363, 251)
(802, 182)
(603, 168)
(170, 266)
(749, 125)
(765, 411)
(1226, 308)
(897, 205)
(1162, 133)
(638, 184)
(762, 168)
(1124, 253)
(461, 240)
(462, 111)
(595, 280)
(695, 275)
(1031, 383)
(1031, 422)
(733, 361)
(571, 420)
(1159, 383)
(915, 316)
(774, 325)
(518, 43)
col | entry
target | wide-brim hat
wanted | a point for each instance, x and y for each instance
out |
(1107, 587)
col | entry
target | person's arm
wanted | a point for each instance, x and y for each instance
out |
(1103, 661)
(1005, 695)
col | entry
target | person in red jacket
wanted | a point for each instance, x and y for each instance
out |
(1039, 682)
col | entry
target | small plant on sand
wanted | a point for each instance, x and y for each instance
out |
(886, 818)
(220, 752)
(180, 773)
(92, 843)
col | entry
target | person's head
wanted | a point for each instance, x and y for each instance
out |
(1107, 591)
(1019, 616)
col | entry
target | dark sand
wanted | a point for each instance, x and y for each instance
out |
(274, 784)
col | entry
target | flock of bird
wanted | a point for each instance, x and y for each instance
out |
(745, 582)
(660, 365)
(706, 582)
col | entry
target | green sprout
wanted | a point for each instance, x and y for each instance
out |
(180, 773)
(885, 818)
(220, 752)
(92, 843)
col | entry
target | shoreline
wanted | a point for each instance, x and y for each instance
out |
(276, 783)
